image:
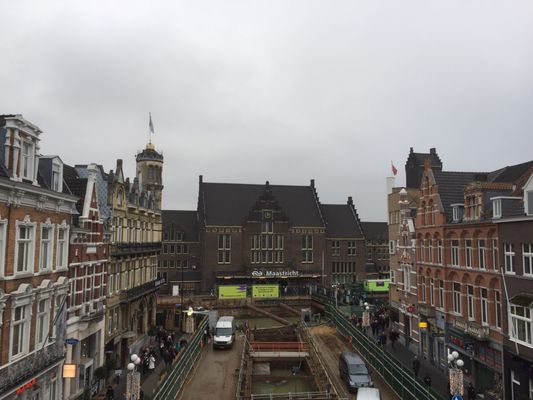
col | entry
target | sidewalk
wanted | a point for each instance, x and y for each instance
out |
(439, 379)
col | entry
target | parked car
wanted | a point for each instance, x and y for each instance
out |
(365, 393)
(224, 332)
(354, 372)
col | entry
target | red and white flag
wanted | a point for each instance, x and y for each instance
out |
(394, 170)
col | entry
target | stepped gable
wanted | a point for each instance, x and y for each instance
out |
(228, 204)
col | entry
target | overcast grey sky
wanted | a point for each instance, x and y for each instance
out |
(285, 91)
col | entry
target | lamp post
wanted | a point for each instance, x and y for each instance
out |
(133, 380)
(455, 374)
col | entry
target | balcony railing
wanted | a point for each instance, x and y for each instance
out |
(17, 372)
(120, 249)
(141, 290)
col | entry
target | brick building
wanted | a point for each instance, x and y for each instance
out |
(35, 217)
(513, 213)
(459, 276)
(88, 265)
(377, 250)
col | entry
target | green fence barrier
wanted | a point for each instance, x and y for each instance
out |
(399, 378)
(182, 367)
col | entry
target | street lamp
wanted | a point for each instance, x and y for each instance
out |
(455, 374)
(133, 380)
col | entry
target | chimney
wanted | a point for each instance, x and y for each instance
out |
(350, 201)
(312, 183)
(433, 150)
(200, 178)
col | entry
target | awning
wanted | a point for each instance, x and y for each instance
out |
(522, 299)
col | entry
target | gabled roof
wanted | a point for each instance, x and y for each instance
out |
(341, 222)
(451, 187)
(228, 204)
(375, 230)
(420, 158)
(186, 221)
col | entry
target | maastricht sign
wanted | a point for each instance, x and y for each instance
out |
(257, 273)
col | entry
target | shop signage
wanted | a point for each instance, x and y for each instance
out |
(26, 386)
(274, 273)
(232, 292)
(265, 291)
(71, 341)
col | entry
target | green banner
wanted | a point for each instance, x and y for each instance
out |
(265, 291)
(232, 292)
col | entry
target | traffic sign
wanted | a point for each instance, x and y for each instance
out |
(457, 397)
(72, 341)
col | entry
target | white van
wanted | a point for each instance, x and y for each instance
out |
(224, 335)
(365, 393)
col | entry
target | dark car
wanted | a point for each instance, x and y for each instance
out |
(354, 372)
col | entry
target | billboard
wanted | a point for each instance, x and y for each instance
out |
(265, 291)
(232, 292)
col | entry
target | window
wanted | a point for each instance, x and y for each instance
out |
(521, 325)
(468, 253)
(25, 248)
(508, 249)
(57, 178)
(307, 249)
(278, 249)
(496, 208)
(224, 249)
(336, 248)
(529, 202)
(62, 247)
(527, 258)
(20, 331)
(430, 251)
(255, 249)
(392, 247)
(481, 254)
(43, 323)
(407, 278)
(431, 292)
(45, 261)
(470, 301)
(515, 386)
(484, 306)
(456, 214)
(422, 289)
(456, 297)
(439, 251)
(27, 160)
(497, 309)
(351, 247)
(3, 225)
(455, 253)
(495, 255)
(441, 294)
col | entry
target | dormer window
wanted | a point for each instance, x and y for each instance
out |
(497, 208)
(57, 176)
(457, 212)
(28, 154)
(529, 202)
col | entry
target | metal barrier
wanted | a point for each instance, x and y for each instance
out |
(179, 371)
(279, 346)
(294, 396)
(399, 378)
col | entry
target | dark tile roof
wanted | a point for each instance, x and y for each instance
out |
(420, 158)
(510, 173)
(341, 221)
(77, 185)
(375, 230)
(228, 204)
(185, 221)
(451, 188)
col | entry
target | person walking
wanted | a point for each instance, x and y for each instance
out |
(427, 380)
(471, 392)
(416, 365)
(110, 393)
(151, 362)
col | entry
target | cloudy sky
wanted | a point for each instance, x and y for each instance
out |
(285, 91)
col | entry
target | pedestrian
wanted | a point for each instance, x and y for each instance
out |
(471, 392)
(151, 362)
(110, 393)
(427, 380)
(416, 365)
(141, 395)
(382, 339)
(393, 337)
